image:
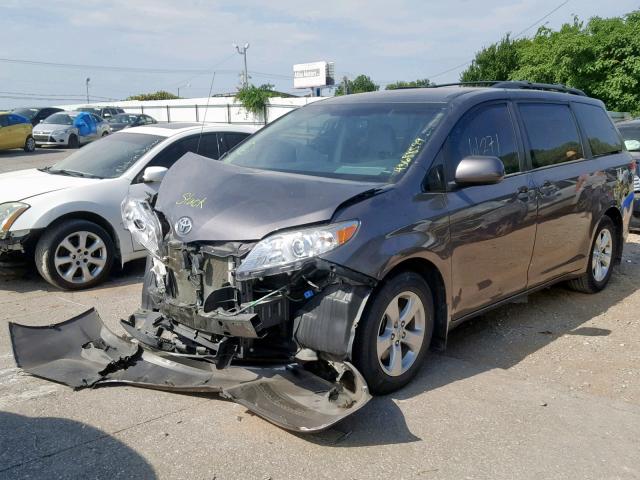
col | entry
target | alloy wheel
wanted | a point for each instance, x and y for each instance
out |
(80, 257)
(401, 333)
(601, 255)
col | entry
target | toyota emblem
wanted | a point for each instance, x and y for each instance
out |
(183, 226)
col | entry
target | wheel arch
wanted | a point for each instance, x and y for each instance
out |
(91, 217)
(432, 275)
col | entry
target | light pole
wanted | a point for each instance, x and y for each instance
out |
(185, 85)
(243, 51)
(87, 84)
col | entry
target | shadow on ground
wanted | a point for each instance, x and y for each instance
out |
(59, 448)
(499, 339)
(25, 278)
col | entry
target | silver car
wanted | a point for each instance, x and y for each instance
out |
(70, 129)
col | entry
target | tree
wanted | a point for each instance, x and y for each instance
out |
(421, 82)
(255, 99)
(159, 95)
(601, 57)
(495, 62)
(360, 84)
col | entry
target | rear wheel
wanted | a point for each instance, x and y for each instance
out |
(73, 141)
(29, 144)
(75, 254)
(604, 251)
(104, 134)
(394, 334)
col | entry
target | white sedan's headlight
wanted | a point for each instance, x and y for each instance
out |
(9, 213)
(140, 219)
(287, 251)
(60, 132)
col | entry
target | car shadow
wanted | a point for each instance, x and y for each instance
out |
(61, 448)
(25, 278)
(500, 339)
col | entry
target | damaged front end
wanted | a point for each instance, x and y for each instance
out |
(243, 319)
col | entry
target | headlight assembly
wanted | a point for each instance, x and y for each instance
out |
(9, 213)
(287, 251)
(140, 219)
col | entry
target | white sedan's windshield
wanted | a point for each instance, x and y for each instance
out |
(109, 157)
(368, 142)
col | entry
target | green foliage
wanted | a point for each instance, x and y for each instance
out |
(601, 57)
(159, 95)
(421, 82)
(360, 84)
(255, 99)
(494, 62)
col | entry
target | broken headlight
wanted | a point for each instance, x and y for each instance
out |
(287, 251)
(9, 213)
(140, 219)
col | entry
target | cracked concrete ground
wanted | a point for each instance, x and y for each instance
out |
(547, 389)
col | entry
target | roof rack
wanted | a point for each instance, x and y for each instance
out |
(516, 84)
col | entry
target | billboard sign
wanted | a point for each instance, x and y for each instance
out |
(310, 75)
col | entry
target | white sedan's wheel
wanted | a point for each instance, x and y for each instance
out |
(75, 254)
(80, 257)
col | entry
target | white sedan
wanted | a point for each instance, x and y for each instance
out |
(67, 216)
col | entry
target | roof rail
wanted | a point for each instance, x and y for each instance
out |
(516, 84)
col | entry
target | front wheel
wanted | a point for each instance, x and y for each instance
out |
(604, 251)
(30, 144)
(75, 254)
(394, 334)
(104, 134)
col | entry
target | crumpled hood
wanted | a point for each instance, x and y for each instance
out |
(227, 203)
(24, 184)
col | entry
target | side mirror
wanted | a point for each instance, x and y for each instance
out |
(154, 174)
(479, 170)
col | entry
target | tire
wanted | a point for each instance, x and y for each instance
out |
(593, 281)
(29, 144)
(73, 142)
(376, 366)
(104, 134)
(92, 263)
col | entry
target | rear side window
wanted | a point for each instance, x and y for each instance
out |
(487, 131)
(602, 135)
(552, 132)
(231, 139)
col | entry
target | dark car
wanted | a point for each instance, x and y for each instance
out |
(102, 112)
(630, 131)
(319, 261)
(37, 114)
(127, 120)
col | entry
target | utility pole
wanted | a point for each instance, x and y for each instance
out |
(345, 85)
(243, 51)
(87, 84)
(186, 85)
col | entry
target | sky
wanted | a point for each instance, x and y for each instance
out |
(178, 42)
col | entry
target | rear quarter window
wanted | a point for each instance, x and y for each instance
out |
(599, 129)
(552, 133)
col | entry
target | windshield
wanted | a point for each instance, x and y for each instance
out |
(366, 142)
(26, 112)
(124, 118)
(630, 132)
(59, 119)
(109, 157)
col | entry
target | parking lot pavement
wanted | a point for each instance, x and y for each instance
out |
(544, 389)
(11, 160)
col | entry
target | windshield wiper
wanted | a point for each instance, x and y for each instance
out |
(70, 173)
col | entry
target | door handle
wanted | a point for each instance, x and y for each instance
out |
(523, 193)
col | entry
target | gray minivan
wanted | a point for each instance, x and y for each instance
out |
(330, 250)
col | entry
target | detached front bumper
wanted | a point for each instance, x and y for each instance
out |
(48, 140)
(83, 352)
